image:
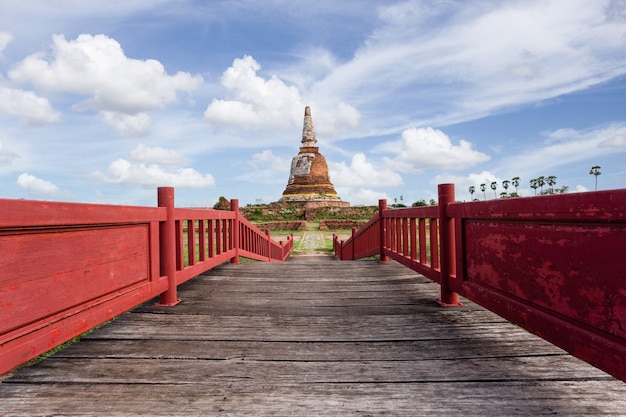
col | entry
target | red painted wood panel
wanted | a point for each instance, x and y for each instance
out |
(574, 269)
(27, 213)
(48, 271)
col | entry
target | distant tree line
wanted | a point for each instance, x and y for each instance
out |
(536, 184)
(549, 182)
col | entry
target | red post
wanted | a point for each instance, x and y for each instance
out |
(167, 245)
(269, 245)
(447, 254)
(382, 205)
(234, 233)
(353, 244)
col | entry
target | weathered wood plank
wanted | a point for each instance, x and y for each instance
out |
(303, 328)
(311, 336)
(567, 398)
(195, 372)
(486, 346)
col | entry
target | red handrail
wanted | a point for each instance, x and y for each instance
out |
(551, 264)
(69, 267)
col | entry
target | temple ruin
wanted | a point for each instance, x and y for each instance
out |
(309, 181)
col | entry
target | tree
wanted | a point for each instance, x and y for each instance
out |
(595, 170)
(515, 181)
(505, 185)
(541, 181)
(494, 185)
(472, 190)
(551, 180)
(483, 187)
(222, 204)
(419, 203)
(534, 184)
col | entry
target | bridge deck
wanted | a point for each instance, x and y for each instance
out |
(311, 336)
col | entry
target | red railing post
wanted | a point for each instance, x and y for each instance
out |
(269, 245)
(447, 253)
(353, 244)
(234, 233)
(167, 246)
(382, 205)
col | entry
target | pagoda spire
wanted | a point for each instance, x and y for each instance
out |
(308, 179)
(308, 132)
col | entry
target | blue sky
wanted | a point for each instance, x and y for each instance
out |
(104, 101)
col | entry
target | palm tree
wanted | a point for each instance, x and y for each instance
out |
(483, 187)
(505, 185)
(472, 190)
(534, 184)
(551, 180)
(494, 185)
(541, 181)
(515, 182)
(595, 170)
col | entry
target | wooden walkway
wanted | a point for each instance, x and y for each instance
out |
(311, 336)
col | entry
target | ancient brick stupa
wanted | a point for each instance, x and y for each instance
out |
(309, 180)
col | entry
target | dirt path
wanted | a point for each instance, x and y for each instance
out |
(312, 242)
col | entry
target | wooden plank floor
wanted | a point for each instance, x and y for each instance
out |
(311, 336)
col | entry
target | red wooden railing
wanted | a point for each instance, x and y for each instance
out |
(66, 268)
(554, 265)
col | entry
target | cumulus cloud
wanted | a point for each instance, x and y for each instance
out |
(154, 167)
(36, 186)
(269, 104)
(6, 156)
(581, 188)
(421, 148)
(362, 173)
(134, 125)
(267, 159)
(124, 172)
(124, 89)
(361, 196)
(462, 184)
(156, 155)
(267, 168)
(32, 109)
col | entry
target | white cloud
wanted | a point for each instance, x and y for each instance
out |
(32, 109)
(269, 104)
(470, 59)
(154, 167)
(267, 159)
(581, 189)
(96, 66)
(5, 39)
(6, 156)
(362, 173)
(361, 196)
(124, 172)
(617, 141)
(36, 186)
(462, 184)
(156, 155)
(266, 168)
(134, 125)
(430, 148)
(563, 147)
